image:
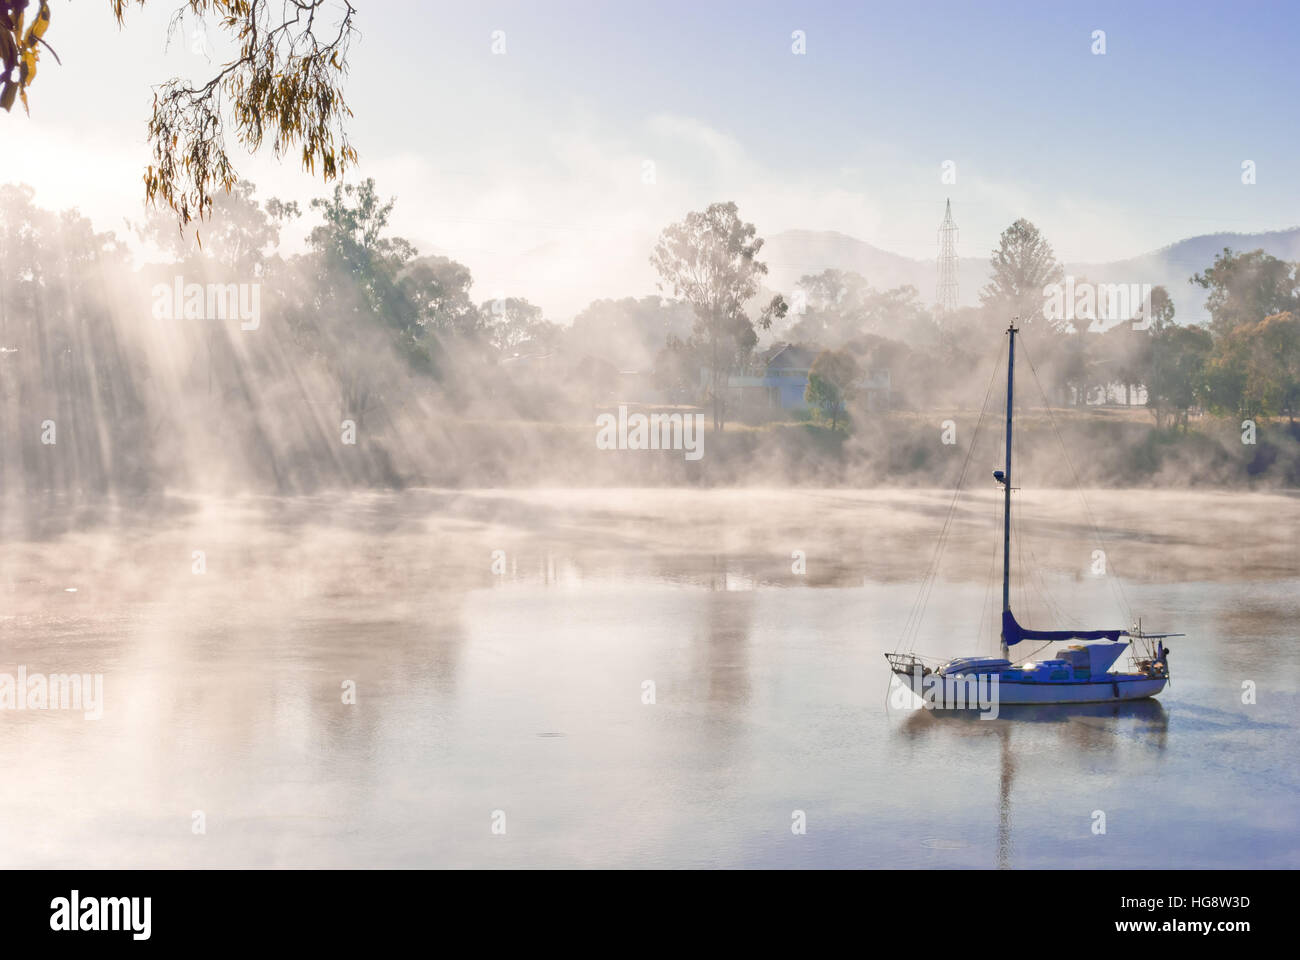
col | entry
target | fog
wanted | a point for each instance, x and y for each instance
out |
(222, 366)
(574, 454)
(309, 477)
(519, 686)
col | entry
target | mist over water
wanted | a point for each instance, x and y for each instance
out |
(521, 690)
(363, 578)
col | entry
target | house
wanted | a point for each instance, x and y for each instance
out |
(778, 378)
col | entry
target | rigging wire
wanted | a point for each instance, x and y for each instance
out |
(1055, 610)
(996, 540)
(1032, 571)
(946, 532)
(1034, 582)
(1115, 583)
(1025, 581)
(986, 611)
(1034, 653)
(922, 600)
(1018, 584)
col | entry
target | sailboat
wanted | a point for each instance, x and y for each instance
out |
(1080, 673)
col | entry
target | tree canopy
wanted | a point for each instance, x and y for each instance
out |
(710, 259)
(1022, 265)
(284, 86)
(1246, 287)
(832, 383)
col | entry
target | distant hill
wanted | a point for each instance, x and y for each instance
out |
(794, 253)
(1174, 264)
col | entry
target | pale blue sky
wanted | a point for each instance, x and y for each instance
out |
(530, 166)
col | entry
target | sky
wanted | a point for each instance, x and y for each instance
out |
(550, 168)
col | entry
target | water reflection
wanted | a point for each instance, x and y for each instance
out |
(1006, 773)
(720, 647)
(1061, 729)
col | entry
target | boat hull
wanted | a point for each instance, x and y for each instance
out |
(958, 694)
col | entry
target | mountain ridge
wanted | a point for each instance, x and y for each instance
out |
(791, 254)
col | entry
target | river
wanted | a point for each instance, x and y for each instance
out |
(635, 678)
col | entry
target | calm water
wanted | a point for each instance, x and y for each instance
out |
(521, 690)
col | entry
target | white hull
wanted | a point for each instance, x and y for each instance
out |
(1117, 687)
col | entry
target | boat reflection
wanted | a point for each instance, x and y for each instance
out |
(1083, 727)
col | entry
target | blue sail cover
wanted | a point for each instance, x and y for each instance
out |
(1013, 633)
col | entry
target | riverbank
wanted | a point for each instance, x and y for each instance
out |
(425, 447)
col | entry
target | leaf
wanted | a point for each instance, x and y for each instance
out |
(8, 52)
(39, 25)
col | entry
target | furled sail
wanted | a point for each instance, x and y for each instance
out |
(1013, 632)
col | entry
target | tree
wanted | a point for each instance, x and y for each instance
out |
(1074, 356)
(675, 370)
(1162, 308)
(836, 306)
(440, 288)
(1255, 369)
(710, 260)
(352, 243)
(1276, 366)
(1246, 288)
(832, 382)
(1023, 264)
(1178, 372)
(357, 294)
(239, 234)
(65, 357)
(830, 307)
(1124, 350)
(513, 322)
(285, 84)
(630, 332)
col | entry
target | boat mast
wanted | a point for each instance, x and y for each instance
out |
(1006, 485)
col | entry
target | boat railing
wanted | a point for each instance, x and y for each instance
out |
(906, 663)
